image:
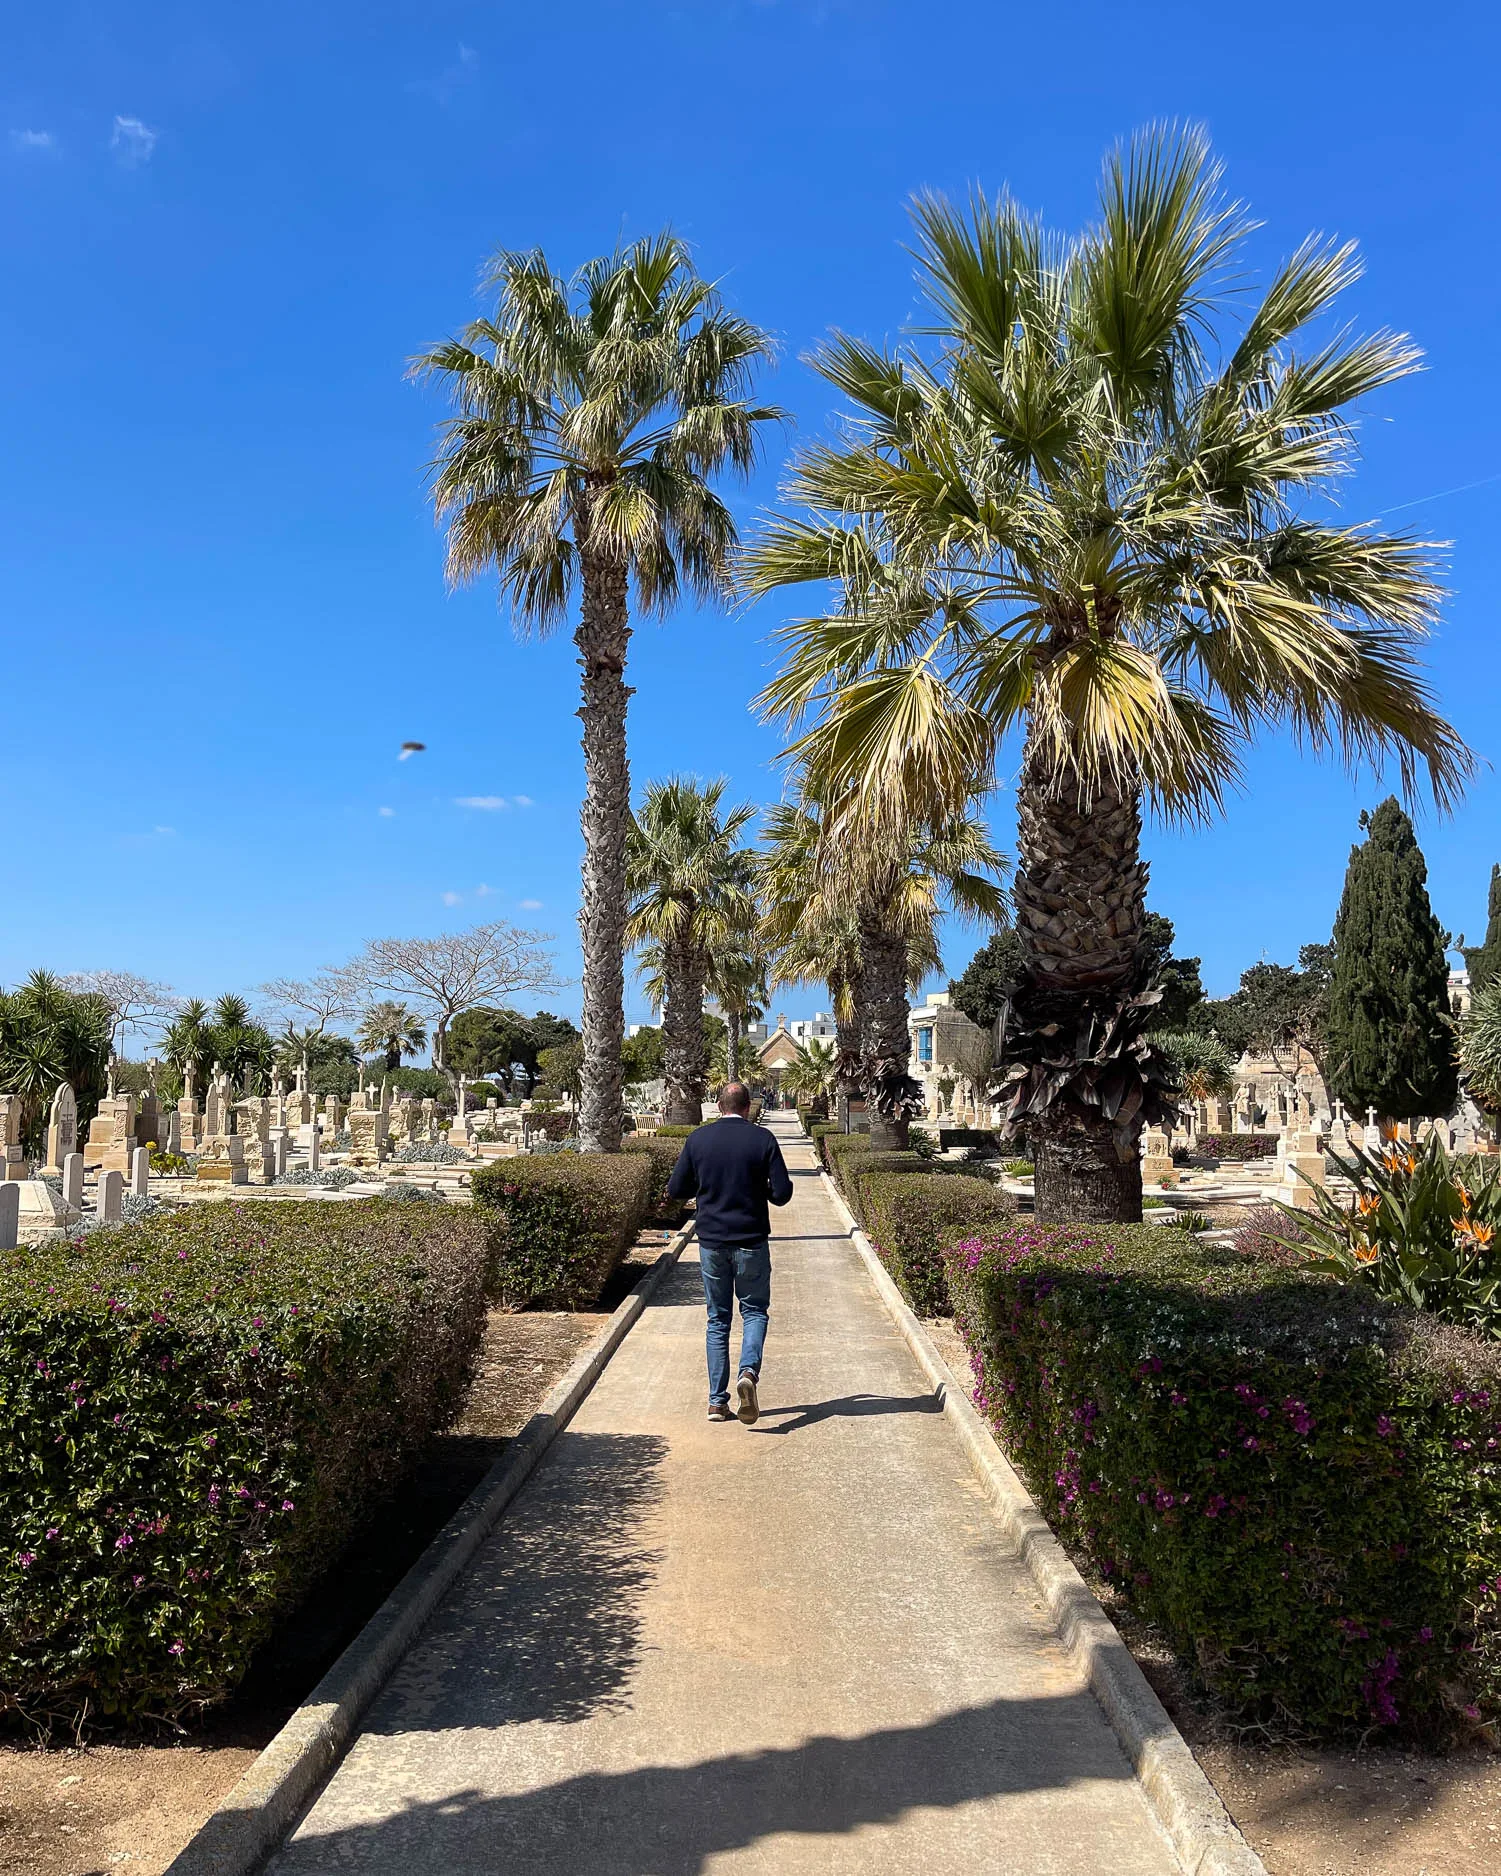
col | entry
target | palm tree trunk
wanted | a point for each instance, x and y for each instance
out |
(887, 1042)
(683, 969)
(732, 1044)
(1079, 897)
(602, 638)
(848, 1002)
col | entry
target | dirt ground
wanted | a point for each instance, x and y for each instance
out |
(1321, 1811)
(84, 1812)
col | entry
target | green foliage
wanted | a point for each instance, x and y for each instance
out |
(1480, 1048)
(643, 1057)
(196, 1412)
(1424, 1229)
(1201, 1064)
(1237, 1146)
(1391, 1040)
(561, 1223)
(1157, 969)
(1019, 1168)
(813, 1070)
(1296, 1481)
(429, 1084)
(1484, 961)
(560, 1071)
(503, 1042)
(1278, 1009)
(662, 1155)
(48, 1035)
(981, 991)
(392, 1030)
(912, 1217)
(676, 1132)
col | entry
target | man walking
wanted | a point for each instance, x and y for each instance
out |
(734, 1169)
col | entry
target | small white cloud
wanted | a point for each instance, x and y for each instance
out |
(132, 142)
(164, 830)
(32, 140)
(530, 905)
(453, 898)
(386, 813)
(483, 892)
(489, 804)
(522, 801)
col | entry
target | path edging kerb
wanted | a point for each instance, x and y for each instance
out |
(1187, 1806)
(256, 1816)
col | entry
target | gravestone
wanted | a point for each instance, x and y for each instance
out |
(10, 1215)
(312, 1148)
(1373, 1141)
(111, 1196)
(73, 1181)
(174, 1131)
(279, 1146)
(12, 1159)
(111, 1138)
(1157, 1166)
(62, 1127)
(140, 1171)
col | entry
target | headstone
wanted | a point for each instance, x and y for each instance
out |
(1373, 1141)
(312, 1149)
(174, 1131)
(1157, 1166)
(429, 1119)
(73, 1181)
(148, 1128)
(12, 1159)
(111, 1138)
(189, 1125)
(111, 1196)
(279, 1146)
(62, 1127)
(366, 1147)
(221, 1160)
(140, 1171)
(1339, 1132)
(10, 1214)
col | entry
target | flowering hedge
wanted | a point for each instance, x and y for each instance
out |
(912, 1216)
(1236, 1145)
(559, 1225)
(195, 1414)
(1300, 1483)
(661, 1155)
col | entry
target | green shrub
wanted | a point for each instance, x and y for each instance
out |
(859, 1167)
(195, 1413)
(818, 1133)
(913, 1216)
(1236, 1145)
(1423, 1229)
(676, 1132)
(560, 1224)
(1019, 1169)
(841, 1150)
(662, 1155)
(1300, 1483)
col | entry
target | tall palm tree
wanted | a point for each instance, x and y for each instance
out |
(737, 981)
(50, 1034)
(689, 886)
(1081, 517)
(393, 1030)
(812, 941)
(814, 1071)
(591, 415)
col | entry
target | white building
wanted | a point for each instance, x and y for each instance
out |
(950, 1059)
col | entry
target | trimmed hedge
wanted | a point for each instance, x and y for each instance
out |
(559, 1224)
(677, 1132)
(196, 1412)
(1236, 1145)
(1299, 1483)
(662, 1155)
(912, 1216)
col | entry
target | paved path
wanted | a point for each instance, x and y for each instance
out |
(695, 1648)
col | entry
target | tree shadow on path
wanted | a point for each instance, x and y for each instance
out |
(676, 1820)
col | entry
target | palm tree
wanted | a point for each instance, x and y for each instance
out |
(737, 981)
(392, 1030)
(814, 1071)
(689, 887)
(50, 1034)
(591, 415)
(185, 1043)
(1081, 518)
(1480, 1048)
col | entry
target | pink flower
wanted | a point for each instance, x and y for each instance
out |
(124, 1541)
(26, 1558)
(287, 1505)
(175, 1649)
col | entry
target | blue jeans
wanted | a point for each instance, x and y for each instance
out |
(731, 1271)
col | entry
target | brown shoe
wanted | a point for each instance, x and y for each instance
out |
(720, 1410)
(749, 1411)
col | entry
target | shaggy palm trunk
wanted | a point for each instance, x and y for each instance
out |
(887, 1041)
(1079, 896)
(848, 1001)
(684, 967)
(732, 1044)
(602, 638)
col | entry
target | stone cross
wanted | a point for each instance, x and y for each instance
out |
(109, 1077)
(189, 1082)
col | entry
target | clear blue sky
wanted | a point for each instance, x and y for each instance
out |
(226, 229)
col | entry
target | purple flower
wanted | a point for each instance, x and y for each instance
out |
(287, 1505)
(26, 1558)
(124, 1541)
(175, 1648)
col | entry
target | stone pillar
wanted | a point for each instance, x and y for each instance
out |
(140, 1171)
(1157, 1166)
(312, 1149)
(73, 1181)
(174, 1131)
(12, 1159)
(111, 1196)
(279, 1147)
(10, 1214)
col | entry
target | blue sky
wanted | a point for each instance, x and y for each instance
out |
(225, 231)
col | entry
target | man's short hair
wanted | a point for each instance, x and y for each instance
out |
(734, 1098)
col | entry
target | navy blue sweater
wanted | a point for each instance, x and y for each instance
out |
(733, 1168)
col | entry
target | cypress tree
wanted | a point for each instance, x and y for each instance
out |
(1390, 1039)
(1484, 961)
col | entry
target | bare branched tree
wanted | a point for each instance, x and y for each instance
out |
(321, 1000)
(444, 976)
(133, 1002)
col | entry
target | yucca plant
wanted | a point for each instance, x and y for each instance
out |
(1422, 1229)
(1091, 515)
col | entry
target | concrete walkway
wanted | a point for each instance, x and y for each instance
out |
(695, 1648)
